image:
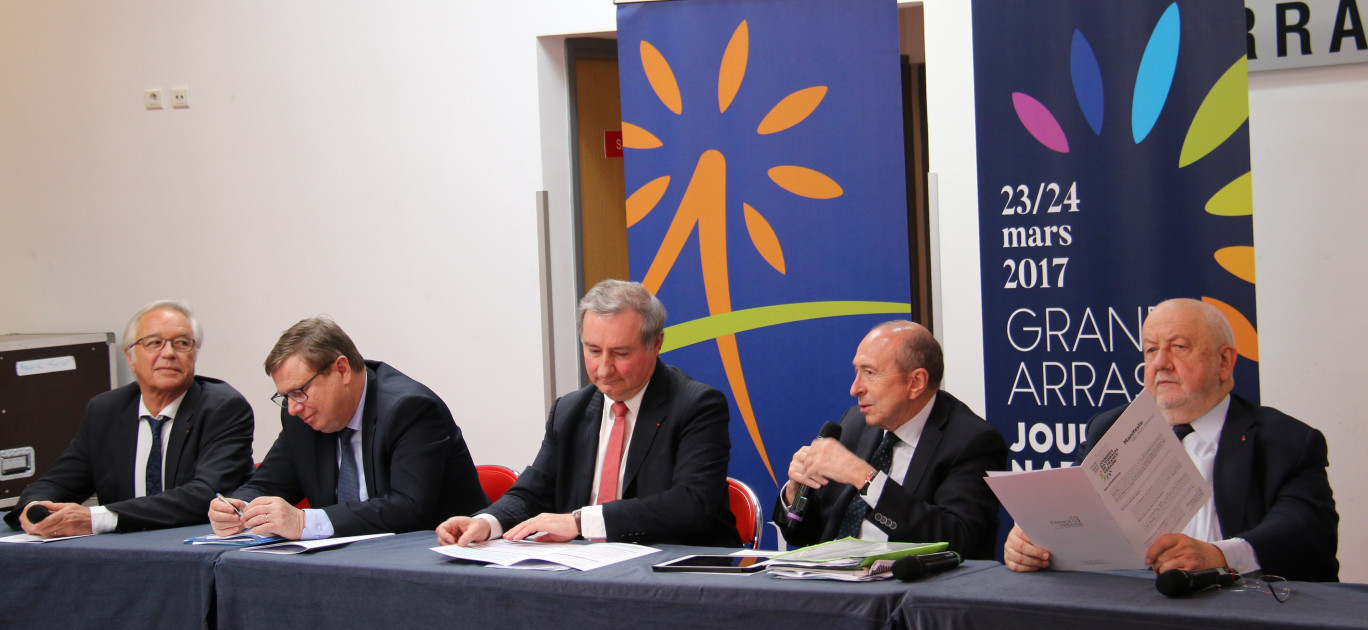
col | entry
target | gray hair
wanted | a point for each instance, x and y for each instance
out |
(611, 297)
(131, 330)
(918, 349)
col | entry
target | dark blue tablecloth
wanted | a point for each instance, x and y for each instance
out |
(152, 580)
(399, 581)
(137, 580)
(999, 598)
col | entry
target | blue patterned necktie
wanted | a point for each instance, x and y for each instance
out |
(1183, 430)
(882, 460)
(348, 489)
(152, 473)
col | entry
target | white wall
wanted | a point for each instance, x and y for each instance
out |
(378, 161)
(1309, 147)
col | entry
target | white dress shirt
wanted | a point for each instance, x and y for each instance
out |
(592, 525)
(909, 434)
(103, 521)
(1205, 526)
(317, 525)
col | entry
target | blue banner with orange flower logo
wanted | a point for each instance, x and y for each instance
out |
(767, 203)
(1114, 173)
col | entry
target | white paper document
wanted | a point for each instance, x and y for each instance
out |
(1136, 485)
(582, 556)
(30, 538)
(300, 546)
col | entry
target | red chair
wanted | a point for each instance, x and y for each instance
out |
(496, 480)
(746, 508)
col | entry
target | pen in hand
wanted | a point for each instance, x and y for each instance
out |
(230, 504)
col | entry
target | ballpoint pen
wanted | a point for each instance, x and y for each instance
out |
(230, 504)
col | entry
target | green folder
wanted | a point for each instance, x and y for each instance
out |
(848, 550)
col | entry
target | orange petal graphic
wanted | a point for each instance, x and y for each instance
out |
(661, 77)
(766, 242)
(1239, 261)
(733, 67)
(731, 364)
(1246, 338)
(644, 200)
(792, 110)
(634, 137)
(805, 182)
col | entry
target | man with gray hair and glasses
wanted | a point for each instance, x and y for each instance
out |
(373, 450)
(638, 456)
(152, 451)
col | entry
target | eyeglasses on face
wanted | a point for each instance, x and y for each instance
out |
(155, 344)
(297, 394)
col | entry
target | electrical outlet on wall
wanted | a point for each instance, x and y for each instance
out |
(152, 98)
(180, 97)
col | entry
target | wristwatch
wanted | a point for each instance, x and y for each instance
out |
(579, 531)
(869, 479)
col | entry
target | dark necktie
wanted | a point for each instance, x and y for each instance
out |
(348, 488)
(882, 460)
(153, 471)
(1183, 430)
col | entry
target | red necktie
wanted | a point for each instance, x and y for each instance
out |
(612, 460)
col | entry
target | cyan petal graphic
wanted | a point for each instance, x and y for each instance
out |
(1155, 77)
(1087, 80)
(1040, 122)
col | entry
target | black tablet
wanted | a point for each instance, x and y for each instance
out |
(714, 564)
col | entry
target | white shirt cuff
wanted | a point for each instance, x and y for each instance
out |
(102, 521)
(1239, 554)
(317, 525)
(871, 496)
(592, 526)
(495, 529)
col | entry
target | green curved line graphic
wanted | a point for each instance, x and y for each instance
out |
(712, 327)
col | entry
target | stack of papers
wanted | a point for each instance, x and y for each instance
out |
(545, 556)
(879, 570)
(301, 546)
(30, 538)
(241, 539)
(847, 560)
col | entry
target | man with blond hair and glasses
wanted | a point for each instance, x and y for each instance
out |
(152, 451)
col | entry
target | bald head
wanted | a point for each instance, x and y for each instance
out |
(916, 348)
(1189, 358)
(898, 367)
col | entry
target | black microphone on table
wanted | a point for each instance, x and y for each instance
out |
(795, 513)
(1180, 583)
(908, 568)
(37, 513)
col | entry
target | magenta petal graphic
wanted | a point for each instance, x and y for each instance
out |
(1040, 122)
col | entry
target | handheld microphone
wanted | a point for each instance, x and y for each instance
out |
(1180, 583)
(37, 513)
(908, 568)
(795, 513)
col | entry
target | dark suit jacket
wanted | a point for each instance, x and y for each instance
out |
(674, 486)
(1270, 487)
(418, 471)
(210, 449)
(943, 496)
